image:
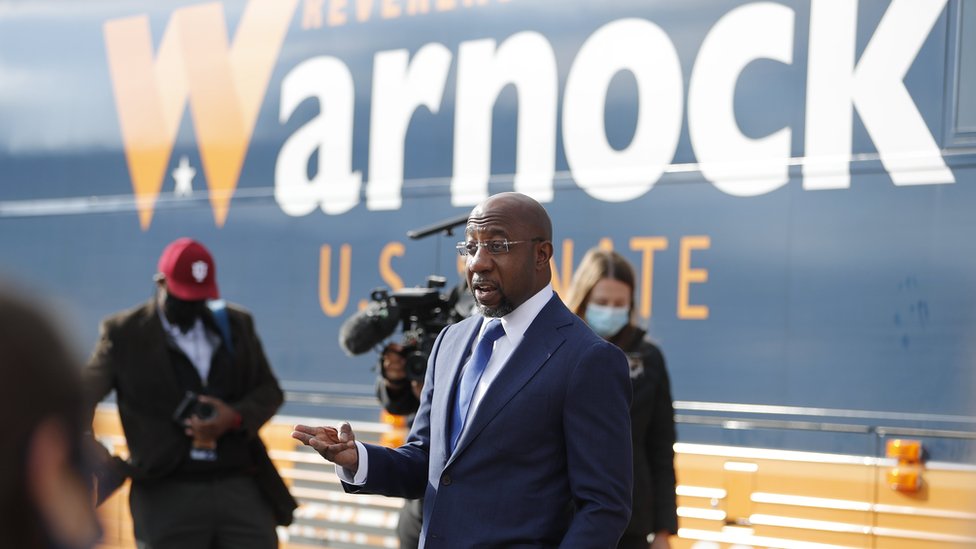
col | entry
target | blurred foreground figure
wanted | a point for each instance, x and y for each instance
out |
(45, 497)
(602, 293)
(193, 387)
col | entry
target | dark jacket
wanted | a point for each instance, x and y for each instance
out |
(135, 358)
(652, 423)
(544, 461)
(400, 401)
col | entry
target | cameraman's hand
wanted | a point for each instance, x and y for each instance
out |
(394, 366)
(335, 445)
(417, 387)
(662, 540)
(225, 418)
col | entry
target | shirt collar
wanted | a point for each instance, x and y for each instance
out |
(518, 321)
(176, 333)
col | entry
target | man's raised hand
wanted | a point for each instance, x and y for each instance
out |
(335, 445)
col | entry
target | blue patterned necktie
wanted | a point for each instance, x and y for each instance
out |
(472, 374)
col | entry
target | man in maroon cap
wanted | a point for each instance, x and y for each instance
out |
(193, 387)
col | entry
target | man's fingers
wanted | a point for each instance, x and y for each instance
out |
(303, 437)
(334, 448)
(306, 429)
(317, 444)
(327, 435)
(345, 432)
(315, 430)
(329, 450)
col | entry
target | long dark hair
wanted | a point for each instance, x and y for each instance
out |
(39, 381)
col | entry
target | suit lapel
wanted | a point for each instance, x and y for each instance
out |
(455, 352)
(154, 361)
(541, 340)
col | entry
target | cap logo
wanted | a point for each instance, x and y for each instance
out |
(199, 270)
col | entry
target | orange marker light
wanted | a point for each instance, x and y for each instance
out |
(397, 434)
(904, 450)
(392, 420)
(905, 479)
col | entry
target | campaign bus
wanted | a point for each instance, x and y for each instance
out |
(794, 181)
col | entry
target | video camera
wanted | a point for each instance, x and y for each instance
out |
(422, 313)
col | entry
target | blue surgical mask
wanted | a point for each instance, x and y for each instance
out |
(607, 321)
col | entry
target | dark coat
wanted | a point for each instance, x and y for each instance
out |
(546, 459)
(133, 357)
(652, 424)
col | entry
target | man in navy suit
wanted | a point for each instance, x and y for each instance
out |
(522, 438)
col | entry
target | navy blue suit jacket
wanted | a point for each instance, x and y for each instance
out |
(546, 458)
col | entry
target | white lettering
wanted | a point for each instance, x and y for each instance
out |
(397, 92)
(737, 164)
(526, 60)
(642, 48)
(335, 187)
(875, 87)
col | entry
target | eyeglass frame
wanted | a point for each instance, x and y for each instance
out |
(462, 247)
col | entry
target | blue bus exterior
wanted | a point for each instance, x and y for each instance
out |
(795, 181)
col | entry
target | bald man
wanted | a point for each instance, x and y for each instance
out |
(522, 438)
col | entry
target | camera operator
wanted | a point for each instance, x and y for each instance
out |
(402, 365)
(398, 394)
(421, 313)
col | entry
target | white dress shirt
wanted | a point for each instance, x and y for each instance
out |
(197, 344)
(515, 324)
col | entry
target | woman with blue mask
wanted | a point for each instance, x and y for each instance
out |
(602, 294)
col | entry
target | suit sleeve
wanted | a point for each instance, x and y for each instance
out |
(98, 375)
(263, 396)
(598, 445)
(97, 381)
(660, 447)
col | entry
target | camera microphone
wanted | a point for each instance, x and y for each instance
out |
(368, 328)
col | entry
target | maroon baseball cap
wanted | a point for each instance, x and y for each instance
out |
(189, 270)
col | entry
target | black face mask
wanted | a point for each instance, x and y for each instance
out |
(183, 314)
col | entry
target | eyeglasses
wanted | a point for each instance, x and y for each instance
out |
(494, 247)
